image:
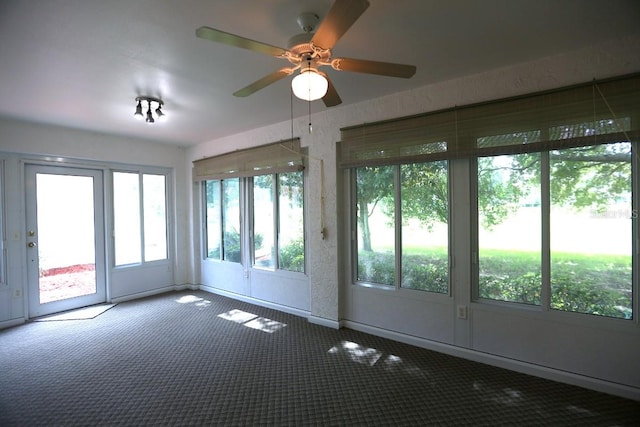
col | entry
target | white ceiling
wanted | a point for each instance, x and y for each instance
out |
(81, 63)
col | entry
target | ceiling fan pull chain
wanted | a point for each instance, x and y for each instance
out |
(310, 127)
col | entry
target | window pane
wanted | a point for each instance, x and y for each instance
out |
(591, 231)
(509, 228)
(425, 234)
(126, 217)
(214, 224)
(263, 224)
(231, 219)
(291, 221)
(155, 217)
(376, 224)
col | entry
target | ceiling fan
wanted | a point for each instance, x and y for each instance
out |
(309, 51)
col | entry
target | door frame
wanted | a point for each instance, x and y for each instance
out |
(34, 308)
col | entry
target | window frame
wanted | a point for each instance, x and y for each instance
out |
(398, 241)
(3, 251)
(221, 221)
(141, 172)
(247, 222)
(276, 211)
(545, 239)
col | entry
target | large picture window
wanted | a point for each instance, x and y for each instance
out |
(551, 181)
(402, 217)
(587, 234)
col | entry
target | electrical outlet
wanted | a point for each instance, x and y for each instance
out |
(462, 312)
(17, 293)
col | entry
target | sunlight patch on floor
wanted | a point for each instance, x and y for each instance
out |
(238, 316)
(192, 299)
(356, 352)
(506, 396)
(265, 325)
(370, 356)
(252, 321)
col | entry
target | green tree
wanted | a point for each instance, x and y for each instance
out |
(583, 177)
(374, 184)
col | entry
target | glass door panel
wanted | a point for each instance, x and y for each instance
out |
(64, 238)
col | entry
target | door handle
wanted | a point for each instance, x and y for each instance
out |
(31, 244)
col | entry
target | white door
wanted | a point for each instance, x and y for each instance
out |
(65, 238)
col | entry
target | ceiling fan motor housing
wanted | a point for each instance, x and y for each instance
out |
(308, 21)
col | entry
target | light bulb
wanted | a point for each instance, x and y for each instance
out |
(138, 113)
(309, 85)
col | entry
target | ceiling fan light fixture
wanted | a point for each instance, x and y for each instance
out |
(309, 85)
(138, 113)
(149, 115)
(161, 116)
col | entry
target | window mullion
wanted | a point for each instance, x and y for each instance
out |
(141, 204)
(545, 211)
(276, 221)
(398, 225)
(635, 206)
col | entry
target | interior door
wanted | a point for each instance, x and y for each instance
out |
(65, 238)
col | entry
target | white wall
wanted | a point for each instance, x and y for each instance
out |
(432, 321)
(22, 141)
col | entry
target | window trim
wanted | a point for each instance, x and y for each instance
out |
(398, 248)
(168, 217)
(545, 240)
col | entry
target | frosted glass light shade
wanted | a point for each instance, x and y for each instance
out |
(309, 85)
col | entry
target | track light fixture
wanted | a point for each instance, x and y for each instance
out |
(149, 99)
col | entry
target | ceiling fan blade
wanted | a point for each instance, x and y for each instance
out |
(340, 18)
(264, 82)
(331, 98)
(229, 39)
(373, 67)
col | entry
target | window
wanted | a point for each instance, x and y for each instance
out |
(278, 221)
(375, 208)
(587, 236)
(406, 204)
(264, 206)
(553, 198)
(223, 235)
(3, 279)
(591, 230)
(509, 228)
(140, 217)
(254, 204)
(291, 221)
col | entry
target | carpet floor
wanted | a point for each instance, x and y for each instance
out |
(193, 358)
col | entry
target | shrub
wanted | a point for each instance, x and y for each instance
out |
(292, 256)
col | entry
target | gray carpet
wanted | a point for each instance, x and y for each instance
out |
(193, 358)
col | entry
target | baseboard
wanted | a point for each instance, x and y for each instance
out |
(334, 324)
(186, 286)
(152, 292)
(13, 322)
(250, 300)
(571, 378)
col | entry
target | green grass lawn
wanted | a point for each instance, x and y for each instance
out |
(593, 284)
